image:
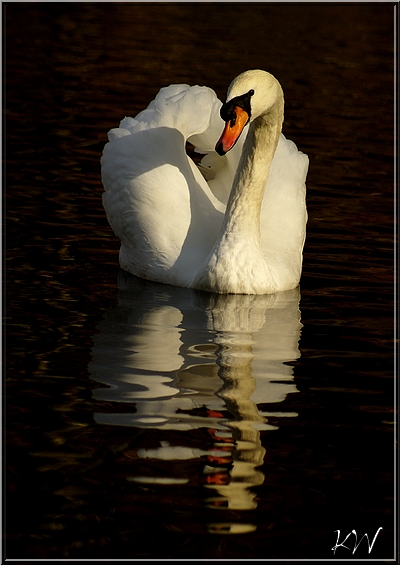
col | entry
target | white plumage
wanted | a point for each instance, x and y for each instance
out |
(176, 227)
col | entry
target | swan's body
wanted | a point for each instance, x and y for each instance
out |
(177, 228)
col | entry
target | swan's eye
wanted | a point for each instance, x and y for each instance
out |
(251, 92)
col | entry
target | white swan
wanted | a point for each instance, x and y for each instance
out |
(177, 228)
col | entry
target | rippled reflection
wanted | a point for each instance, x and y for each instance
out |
(185, 360)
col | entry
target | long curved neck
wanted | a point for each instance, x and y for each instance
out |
(244, 205)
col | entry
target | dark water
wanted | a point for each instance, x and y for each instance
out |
(144, 421)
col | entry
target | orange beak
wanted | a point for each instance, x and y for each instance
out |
(232, 130)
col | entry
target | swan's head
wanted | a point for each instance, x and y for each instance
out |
(250, 95)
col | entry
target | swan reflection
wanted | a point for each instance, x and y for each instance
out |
(187, 360)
